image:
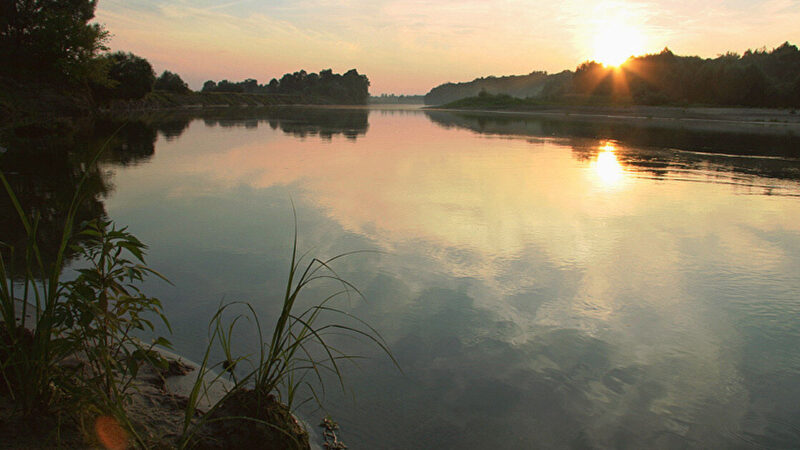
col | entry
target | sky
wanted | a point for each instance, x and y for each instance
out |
(411, 46)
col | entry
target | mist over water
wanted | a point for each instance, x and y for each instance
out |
(541, 283)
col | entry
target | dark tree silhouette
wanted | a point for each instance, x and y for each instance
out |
(49, 38)
(324, 87)
(209, 86)
(757, 78)
(171, 82)
(515, 85)
(130, 77)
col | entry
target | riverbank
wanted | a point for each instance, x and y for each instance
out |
(162, 100)
(22, 103)
(741, 131)
(514, 106)
(40, 100)
(157, 408)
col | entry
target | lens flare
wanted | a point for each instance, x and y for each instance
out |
(110, 433)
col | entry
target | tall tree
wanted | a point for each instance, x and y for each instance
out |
(49, 38)
(172, 82)
(130, 77)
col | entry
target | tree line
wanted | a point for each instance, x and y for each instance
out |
(51, 42)
(520, 86)
(324, 87)
(48, 48)
(392, 99)
(757, 78)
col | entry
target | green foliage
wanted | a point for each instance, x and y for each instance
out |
(130, 77)
(488, 101)
(171, 82)
(47, 38)
(78, 353)
(209, 86)
(67, 348)
(31, 353)
(222, 86)
(103, 307)
(287, 359)
(515, 85)
(592, 77)
(351, 88)
(758, 78)
(295, 357)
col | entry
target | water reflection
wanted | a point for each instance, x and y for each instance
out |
(297, 121)
(43, 167)
(608, 169)
(695, 136)
(128, 140)
(759, 159)
(523, 301)
(539, 290)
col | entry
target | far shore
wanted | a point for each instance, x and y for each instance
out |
(780, 120)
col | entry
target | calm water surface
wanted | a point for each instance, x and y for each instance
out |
(542, 283)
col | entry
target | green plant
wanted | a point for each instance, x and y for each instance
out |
(286, 361)
(103, 308)
(66, 348)
(296, 356)
(31, 352)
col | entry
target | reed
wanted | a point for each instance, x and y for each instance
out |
(31, 350)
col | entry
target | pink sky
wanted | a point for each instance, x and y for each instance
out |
(410, 46)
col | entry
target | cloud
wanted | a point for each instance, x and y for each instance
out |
(412, 45)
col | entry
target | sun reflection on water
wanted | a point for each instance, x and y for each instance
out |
(607, 168)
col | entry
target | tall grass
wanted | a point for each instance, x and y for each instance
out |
(297, 354)
(32, 350)
(77, 354)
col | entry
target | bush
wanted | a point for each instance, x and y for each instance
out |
(130, 77)
(76, 355)
(171, 82)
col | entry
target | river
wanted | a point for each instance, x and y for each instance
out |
(543, 282)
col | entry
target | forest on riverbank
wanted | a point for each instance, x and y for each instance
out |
(56, 62)
(324, 87)
(757, 78)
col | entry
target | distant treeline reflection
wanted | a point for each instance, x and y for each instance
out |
(44, 164)
(650, 147)
(297, 121)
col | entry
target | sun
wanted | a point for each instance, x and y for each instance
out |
(615, 41)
